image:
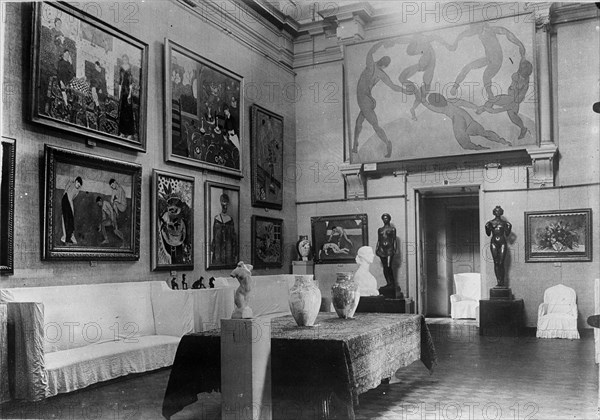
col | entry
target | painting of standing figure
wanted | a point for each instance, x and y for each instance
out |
(172, 221)
(452, 91)
(91, 207)
(222, 225)
(88, 77)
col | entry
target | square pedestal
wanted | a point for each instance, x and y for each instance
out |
(246, 369)
(303, 267)
(500, 317)
(381, 304)
(500, 293)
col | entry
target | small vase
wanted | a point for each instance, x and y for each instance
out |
(305, 301)
(303, 248)
(346, 295)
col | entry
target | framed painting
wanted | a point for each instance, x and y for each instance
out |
(266, 158)
(172, 221)
(222, 231)
(203, 112)
(7, 205)
(559, 235)
(336, 239)
(88, 77)
(91, 207)
(452, 91)
(267, 242)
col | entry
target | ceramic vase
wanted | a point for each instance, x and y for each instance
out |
(305, 300)
(345, 294)
(303, 248)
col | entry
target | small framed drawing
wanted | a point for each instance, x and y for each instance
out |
(559, 235)
(222, 231)
(91, 207)
(88, 77)
(203, 112)
(266, 158)
(172, 221)
(336, 239)
(267, 242)
(7, 205)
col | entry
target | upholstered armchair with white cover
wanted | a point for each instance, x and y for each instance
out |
(557, 316)
(465, 302)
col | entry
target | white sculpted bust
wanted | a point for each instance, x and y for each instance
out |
(366, 281)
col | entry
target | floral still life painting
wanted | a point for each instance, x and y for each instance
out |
(558, 235)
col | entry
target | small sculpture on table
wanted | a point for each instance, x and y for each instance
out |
(211, 282)
(367, 283)
(184, 284)
(243, 294)
(174, 284)
(198, 284)
(385, 250)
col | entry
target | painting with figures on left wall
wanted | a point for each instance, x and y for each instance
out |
(91, 207)
(88, 78)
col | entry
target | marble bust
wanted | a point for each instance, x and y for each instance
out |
(367, 283)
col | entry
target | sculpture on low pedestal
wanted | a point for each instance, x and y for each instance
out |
(199, 284)
(498, 229)
(243, 274)
(385, 250)
(174, 284)
(367, 283)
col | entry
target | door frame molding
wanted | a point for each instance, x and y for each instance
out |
(415, 256)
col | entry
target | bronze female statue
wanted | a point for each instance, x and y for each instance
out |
(386, 248)
(498, 229)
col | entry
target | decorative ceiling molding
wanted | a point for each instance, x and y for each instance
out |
(239, 21)
(571, 12)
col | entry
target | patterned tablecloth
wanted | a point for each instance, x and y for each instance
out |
(343, 357)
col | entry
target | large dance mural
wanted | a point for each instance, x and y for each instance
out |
(447, 92)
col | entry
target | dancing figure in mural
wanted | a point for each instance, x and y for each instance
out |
(511, 101)
(492, 62)
(371, 75)
(419, 45)
(463, 124)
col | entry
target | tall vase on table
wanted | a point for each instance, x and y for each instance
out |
(305, 300)
(345, 294)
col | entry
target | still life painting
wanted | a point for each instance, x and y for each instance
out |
(204, 111)
(267, 242)
(561, 235)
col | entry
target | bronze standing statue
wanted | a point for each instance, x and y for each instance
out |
(498, 229)
(385, 250)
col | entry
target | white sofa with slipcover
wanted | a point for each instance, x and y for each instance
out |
(68, 337)
(464, 303)
(65, 338)
(557, 315)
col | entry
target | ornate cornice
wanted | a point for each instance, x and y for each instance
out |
(239, 21)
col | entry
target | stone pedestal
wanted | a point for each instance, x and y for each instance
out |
(500, 293)
(303, 268)
(500, 317)
(246, 369)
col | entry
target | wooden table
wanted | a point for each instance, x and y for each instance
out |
(337, 360)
